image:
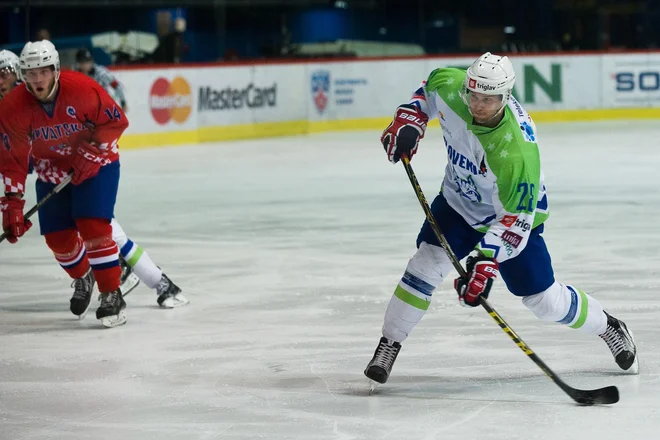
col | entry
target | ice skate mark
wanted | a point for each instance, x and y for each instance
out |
(277, 368)
(215, 435)
(60, 429)
(430, 421)
(262, 386)
(433, 434)
(327, 385)
(424, 396)
(341, 435)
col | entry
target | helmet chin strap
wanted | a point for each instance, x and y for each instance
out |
(54, 88)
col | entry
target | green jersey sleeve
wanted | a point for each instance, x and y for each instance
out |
(515, 161)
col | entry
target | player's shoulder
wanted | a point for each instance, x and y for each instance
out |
(78, 88)
(445, 76)
(513, 141)
(16, 103)
(521, 125)
(74, 80)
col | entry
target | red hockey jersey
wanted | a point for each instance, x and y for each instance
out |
(81, 111)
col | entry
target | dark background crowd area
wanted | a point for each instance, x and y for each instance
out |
(182, 31)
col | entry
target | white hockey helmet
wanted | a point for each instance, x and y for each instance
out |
(39, 54)
(9, 60)
(491, 75)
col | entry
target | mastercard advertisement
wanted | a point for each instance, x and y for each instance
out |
(170, 100)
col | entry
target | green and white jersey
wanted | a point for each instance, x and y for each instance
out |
(493, 177)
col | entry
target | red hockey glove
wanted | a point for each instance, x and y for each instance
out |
(482, 272)
(87, 160)
(404, 133)
(13, 222)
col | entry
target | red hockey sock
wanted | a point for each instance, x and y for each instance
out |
(102, 252)
(69, 252)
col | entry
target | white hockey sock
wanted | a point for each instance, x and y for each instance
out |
(412, 296)
(569, 306)
(136, 257)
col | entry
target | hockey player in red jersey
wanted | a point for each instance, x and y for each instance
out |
(135, 263)
(66, 123)
(8, 71)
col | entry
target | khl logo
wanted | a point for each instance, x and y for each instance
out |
(321, 89)
(528, 131)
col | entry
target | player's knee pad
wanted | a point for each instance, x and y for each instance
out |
(429, 264)
(118, 234)
(102, 252)
(97, 236)
(66, 245)
(95, 232)
(553, 304)
(69, 251)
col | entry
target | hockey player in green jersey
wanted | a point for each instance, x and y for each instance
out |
(493, 203)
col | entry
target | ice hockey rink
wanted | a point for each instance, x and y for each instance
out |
(289, 250)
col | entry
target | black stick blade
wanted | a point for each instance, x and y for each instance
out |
(601, 396)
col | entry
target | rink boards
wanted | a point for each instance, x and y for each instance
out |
(204, 103)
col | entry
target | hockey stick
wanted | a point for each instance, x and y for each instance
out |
(601, 396)
(41, 202)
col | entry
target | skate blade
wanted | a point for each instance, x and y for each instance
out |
(175, 301)
(634, 368)
(130, 284)
(114, 320)
(373, 387)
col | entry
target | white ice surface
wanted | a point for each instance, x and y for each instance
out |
(289, 250)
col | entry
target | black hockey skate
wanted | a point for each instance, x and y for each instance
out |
(111, 311)
(169, 294)
(621, 342)
(129, 280)
(82, 294)
(380, 366)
